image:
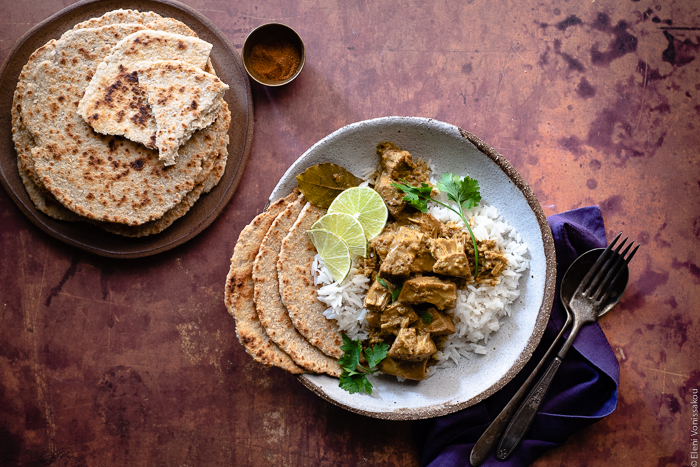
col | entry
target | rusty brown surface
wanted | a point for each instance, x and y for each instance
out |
(108, 362)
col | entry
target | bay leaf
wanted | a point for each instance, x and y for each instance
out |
(321, 183)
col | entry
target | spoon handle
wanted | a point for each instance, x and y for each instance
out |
(523, 418)
(526, 413)
(488, 439)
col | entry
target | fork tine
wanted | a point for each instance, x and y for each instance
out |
(617, 264)
(609, 261)
(601, 259)
(619, 273)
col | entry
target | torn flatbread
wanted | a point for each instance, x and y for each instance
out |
(113, 103)
(183, 99)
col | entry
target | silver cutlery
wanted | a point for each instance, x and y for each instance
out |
(596, 294)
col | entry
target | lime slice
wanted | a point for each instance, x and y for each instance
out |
(347, 228)
(365, 205)
(334, 251)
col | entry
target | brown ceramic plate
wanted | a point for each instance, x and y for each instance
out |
(229, 68)
(451, 149)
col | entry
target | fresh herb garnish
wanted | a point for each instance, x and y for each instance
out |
(426, 316)
(416, 196)
(462, 190)
(354, 376)
(382, 282)
(396, 292)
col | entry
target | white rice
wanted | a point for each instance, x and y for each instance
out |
(480, 309)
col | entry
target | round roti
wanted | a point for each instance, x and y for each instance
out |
(239, 294)
(99, 177)
(271, 311)
(297, 287)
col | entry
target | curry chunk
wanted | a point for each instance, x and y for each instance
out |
(440, 324)
(382, 242)
(404, 368)
(393, 198)
(411, 345)
(397, 164)
(426, 289)
(423, 222)
(377, 297)
(450, 257)
(402, 252)
(397, 316)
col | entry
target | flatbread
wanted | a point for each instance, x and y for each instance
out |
(119, 17)
(24, 141)
(114, 103)
(99, 177)
(44, 202)
(213, 164)
(182, 98)
(297, 286)
(240, 292)
(271, 311)
(214, 175)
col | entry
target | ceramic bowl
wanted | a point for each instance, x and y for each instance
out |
(450, 149)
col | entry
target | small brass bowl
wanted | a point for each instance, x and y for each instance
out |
(262, 66)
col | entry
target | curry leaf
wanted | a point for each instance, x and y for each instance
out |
(321, 183)
(382, 282)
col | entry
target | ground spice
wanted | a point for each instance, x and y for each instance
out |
(275, 61)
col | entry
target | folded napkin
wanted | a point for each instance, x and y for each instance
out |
(584, 389)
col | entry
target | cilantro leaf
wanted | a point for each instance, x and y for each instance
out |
(462, 190)
(426, 316)
(376, 354)
(351, 355)
(355, 383)
(354, 376)
(415, 196)
(396, 292)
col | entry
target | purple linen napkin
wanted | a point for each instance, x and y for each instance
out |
(583, 391)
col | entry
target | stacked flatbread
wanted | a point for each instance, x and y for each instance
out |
(119, 176)
(270, 292)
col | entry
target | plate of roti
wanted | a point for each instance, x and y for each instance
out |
(290, 313)
(127, 125)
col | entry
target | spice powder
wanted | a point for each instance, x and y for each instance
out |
(275, 61)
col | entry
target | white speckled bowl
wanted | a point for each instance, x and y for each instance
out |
(451, 150)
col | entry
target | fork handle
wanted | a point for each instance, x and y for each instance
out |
(523, 418)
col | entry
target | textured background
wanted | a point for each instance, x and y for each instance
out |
(594, 102)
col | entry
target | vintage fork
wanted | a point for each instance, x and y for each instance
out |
(587, 304)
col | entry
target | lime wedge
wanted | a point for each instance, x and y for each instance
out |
(365, 205)
(334, 252)
(347, 228)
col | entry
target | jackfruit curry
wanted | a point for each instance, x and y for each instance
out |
(417, 264)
